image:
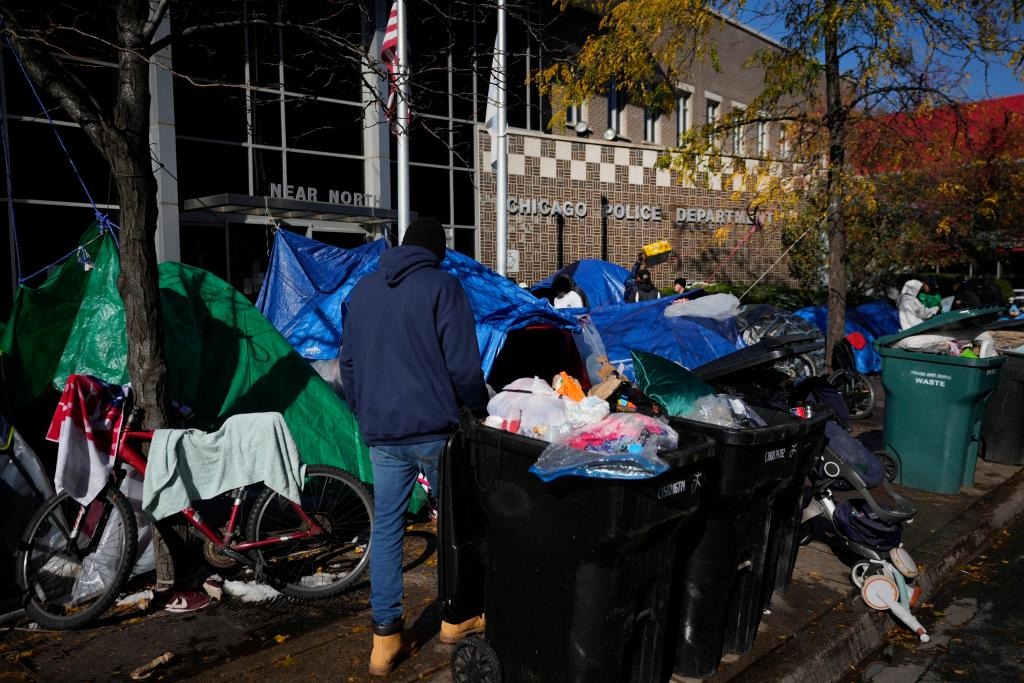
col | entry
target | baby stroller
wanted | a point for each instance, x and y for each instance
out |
(860, 524)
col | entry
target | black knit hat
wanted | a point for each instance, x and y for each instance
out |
(427, 233)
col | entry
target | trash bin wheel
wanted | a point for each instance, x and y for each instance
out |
(475, 661)
(891, 465)
(859, 572)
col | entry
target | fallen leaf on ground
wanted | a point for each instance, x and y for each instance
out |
(280, 638)
(287, 660)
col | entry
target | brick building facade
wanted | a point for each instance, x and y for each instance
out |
(710, 238)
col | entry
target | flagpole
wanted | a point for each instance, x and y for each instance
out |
(403, 127)
(501, 196)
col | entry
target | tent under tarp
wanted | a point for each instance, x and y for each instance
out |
(36, 332)
(686, 340)
(223, 357)
(879, 316)
(313, 317)
(601, 281)
(304, 288)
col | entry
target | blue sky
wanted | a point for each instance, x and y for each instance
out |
(983, 82)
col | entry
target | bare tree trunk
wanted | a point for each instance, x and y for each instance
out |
(836, 117)
(138, 283)
(129, 156)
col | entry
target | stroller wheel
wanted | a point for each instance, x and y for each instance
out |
(859, 572)
(857, 392)
(891, 465)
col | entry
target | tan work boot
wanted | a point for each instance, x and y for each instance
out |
(390, 646)
(453, 633)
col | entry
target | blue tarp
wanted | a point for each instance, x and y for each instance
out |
(601, 281)
(304, 288)
(879, 316)
(308, 282)
(689, 341)
(868, 360)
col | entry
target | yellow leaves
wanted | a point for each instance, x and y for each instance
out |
(721, 235)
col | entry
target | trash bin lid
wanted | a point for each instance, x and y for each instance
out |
(1012, 324)
(765, 351)
(944, 321)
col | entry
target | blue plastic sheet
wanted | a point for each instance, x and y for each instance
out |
(688, 341)
(305, 286)
(601, 281)
(879, 316)
(308, 283)
(868, 360)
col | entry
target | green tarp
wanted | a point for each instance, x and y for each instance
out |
(36, 333)
(223, 356)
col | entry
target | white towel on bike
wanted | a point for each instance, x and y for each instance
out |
(187, 465)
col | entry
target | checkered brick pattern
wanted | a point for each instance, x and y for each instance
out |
(564, 169)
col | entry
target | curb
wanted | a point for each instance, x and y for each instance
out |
(829, 647)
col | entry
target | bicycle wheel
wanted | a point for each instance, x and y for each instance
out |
(857, 393)
(321, 566)
(72, 575)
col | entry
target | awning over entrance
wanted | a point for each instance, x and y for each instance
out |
(285, 209)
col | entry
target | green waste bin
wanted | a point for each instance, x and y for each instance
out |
(934, 403)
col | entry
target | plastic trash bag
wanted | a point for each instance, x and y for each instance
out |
(539, 409)
(586, 412)
(715, 306)
(927, 343)
(725, 411)
(621, 446)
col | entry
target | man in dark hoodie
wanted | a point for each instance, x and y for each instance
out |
(409, 358)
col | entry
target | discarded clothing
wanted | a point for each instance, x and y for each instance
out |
(86, 427)
(187, 465)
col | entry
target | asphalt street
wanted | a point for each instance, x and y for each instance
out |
(976, 625)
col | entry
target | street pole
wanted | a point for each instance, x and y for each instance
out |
(403, 127)
(501, 195)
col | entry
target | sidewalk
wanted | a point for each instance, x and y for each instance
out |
(815, 632)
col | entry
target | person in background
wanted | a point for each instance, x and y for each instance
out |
(409, 358)
(912, 311)
(679, 286)
(645, 289)
(964, 295)
(629, 292)
(565, 297)
(929, 294)
(989, 292)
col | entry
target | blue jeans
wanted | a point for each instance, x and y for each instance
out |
(395, 468)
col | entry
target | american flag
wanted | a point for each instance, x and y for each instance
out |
(389, 55)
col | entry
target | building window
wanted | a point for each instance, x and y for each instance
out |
(711, 117)
(651, 119)
(682, 114)
(762, 138)
(738, 132)
(616, 103)
(783, 143)
(574, 114)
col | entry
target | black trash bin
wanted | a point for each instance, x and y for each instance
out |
(578, 571)
(1003, 425)
(750, 542)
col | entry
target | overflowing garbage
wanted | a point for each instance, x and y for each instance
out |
(982, 346)
(617, 428)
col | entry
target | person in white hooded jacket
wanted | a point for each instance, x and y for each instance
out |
(912, 311)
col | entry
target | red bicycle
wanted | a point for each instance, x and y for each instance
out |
(75, 560)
